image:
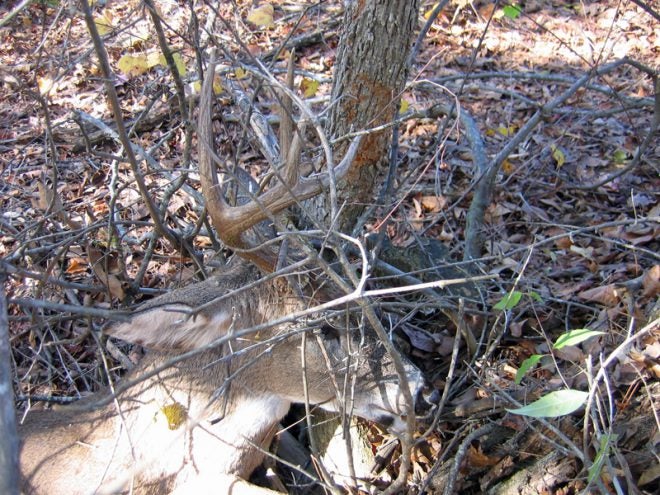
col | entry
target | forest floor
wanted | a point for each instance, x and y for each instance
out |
(571, 228)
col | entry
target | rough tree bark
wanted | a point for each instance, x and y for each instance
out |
(370, 74)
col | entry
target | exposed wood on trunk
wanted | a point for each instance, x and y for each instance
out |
(370, 73)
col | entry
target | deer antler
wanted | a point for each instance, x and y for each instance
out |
(231, 222)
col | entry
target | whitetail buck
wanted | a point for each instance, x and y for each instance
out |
(201, 425)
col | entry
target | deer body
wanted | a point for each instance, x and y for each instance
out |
(163, 440)
(208, 419)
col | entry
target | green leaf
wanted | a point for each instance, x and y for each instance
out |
(509, 301)
(603, 452)
(309, 87)
(574, 337)
(180, 64)
(555, 404)
(511, 11)
(619, 157)
(536, 296)
(558, 155)
(526, 365)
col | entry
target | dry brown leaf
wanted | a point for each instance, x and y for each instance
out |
(507, 167)
(115, 287)
(564, 242)
(570, 353)
(487, 10)
(499, 210)
(418, 208)
(416, 216)
(76, 265)
(587, 252)
(646, 360)
(651, 282)
(101, 264)
(516, 328)
(446, 346)
(262, 16)
(45, 197)
(420, 339)
(608, 295)
(433, 204)
(650, 475)
(478, 459)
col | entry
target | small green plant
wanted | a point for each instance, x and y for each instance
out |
(559, 402)
(512, 299)
(512, 11)
(554, 404)
(573, 337)
(606, 442)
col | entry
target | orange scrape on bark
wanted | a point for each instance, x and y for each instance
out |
(374, 99)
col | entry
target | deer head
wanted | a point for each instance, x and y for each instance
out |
(229, 355)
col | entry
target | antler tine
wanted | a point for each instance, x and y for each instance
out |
(232, 221)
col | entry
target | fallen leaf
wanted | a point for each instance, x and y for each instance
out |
(649, 475)
(133, 65)
(619, 157)
(179, 63)
(115, 287)
(421, 339)
(103, 23)
(587, 252)
(564, 242)
(558, 155)
(478, 459)
(102, 264)
(572, 354)
(507, 167)
(433, 204)
(516, 327)
(309, 87)
(76, 265)
(608, 295)
(262, 16)
(506, 131)
(217, 85)
(47, 86)
(651, 282)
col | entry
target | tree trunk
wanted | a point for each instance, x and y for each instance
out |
(370, 74)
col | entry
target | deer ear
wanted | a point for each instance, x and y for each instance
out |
(170, 327)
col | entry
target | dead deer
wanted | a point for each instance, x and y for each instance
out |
(202, 424)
